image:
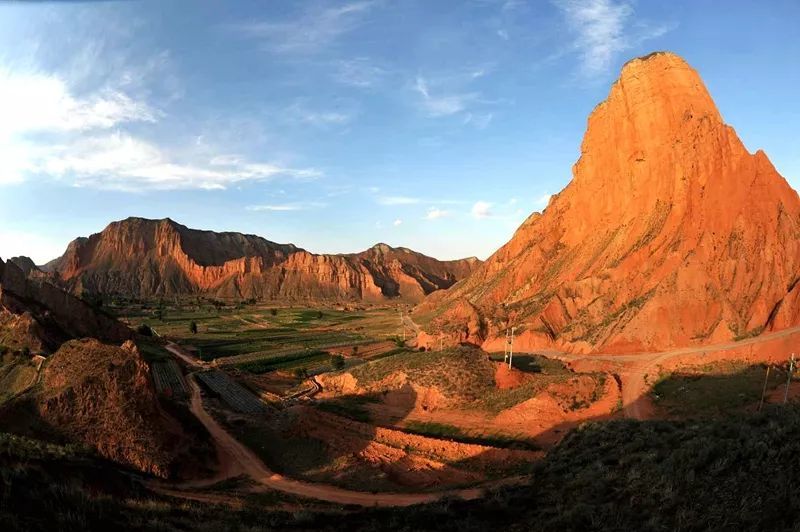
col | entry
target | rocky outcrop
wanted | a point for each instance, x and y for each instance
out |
(36, 313)
(144, 258)
(670, 234)
(102, 396)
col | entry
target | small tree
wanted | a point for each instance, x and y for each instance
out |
(205, 357)
(355, 350)
(337, 362)
(193, 327)
(319, 315)
(273, 311)
(26, 351)
(144, 329)
(301, 373)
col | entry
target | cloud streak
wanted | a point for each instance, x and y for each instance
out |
(286, 207)
(603, 30)
(312, 31)
(442, 104)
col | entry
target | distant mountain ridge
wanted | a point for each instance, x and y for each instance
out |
(145, 258)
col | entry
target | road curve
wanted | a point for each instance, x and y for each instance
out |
(253, 467)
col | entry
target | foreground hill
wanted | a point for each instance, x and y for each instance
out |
(670, 234)
(143, 258)
(727, 474)
(87, 392)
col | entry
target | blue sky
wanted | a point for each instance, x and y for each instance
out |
(335, 125)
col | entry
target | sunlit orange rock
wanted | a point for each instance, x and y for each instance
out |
(139, 257)
(670, 234)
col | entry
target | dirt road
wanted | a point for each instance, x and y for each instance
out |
(637, 371)
(249, 464)
(176, 350)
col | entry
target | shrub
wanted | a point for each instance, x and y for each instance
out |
(193, 327)
(273, 311)
(144, 330)
(337, 362)
(301, 373)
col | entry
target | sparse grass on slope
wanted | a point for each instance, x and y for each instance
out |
(463, 373)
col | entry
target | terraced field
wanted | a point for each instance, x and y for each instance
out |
(235, 395)
(261, 339)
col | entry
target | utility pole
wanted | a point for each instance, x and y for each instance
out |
(788, 379)
(505, 346)
(511, 348)
(764, 391)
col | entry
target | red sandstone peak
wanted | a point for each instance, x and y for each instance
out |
(670, 233)
(140, 257)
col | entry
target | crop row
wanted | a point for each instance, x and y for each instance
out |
(168, 379)
(307, 359)
(237, 397)
(268, 355)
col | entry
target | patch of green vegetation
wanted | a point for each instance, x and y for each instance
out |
(451, 432)
(714, 389)
(347, 407)
(151, 350)
(495, 400)
(752, 333)
(437, 430)
(305, 359)
(464, 373)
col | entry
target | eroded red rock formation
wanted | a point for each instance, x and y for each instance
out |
(670, 234)
(160, 257)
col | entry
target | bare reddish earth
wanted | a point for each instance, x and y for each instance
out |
(39, 315)
(670, 234)
(142, 257)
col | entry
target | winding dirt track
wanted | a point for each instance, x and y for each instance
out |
(239, 459)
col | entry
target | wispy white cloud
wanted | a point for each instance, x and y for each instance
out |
(479, 120)
(284, 207)
(33, 102)
(313, 30)
(397, 222)
(481, 210)
(435, 213)
(603, 29)
(47, 130)
(398, 200)
(359, 72)
(122, 162)
(442, 104)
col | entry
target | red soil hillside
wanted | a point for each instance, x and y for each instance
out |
(670, 234)
(37, 314)
(141, 257)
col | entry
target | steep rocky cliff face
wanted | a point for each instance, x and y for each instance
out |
(670, 234)
(144, 258)
(37, 314)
